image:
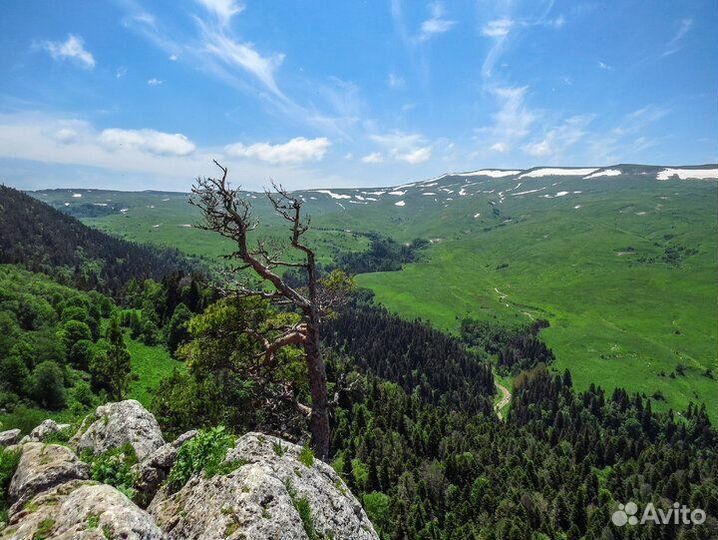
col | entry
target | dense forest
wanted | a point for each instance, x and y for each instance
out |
(414, 355)
(427, 468)
(413, 431)
(42, 239)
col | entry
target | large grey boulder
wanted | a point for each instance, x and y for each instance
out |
(9, 437)
(153, 470)
(44, 430)
(120, 423)
(42, 467)
(82, 511)
(270, 494)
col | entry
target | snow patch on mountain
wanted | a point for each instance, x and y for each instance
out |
(537, 173)
(332, 194)
(604, 172)
(686, 174)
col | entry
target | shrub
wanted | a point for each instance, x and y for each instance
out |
(114, 467)
(48, 385)
(306, 456)
(8, 463)
(80, 354)
(205, 452)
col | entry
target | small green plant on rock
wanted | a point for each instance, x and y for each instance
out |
(207, 452)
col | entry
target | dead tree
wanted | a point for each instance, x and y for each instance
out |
(228, 214)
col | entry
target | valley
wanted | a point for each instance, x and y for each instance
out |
(620, 260)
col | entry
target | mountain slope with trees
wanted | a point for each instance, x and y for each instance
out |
(43, 239)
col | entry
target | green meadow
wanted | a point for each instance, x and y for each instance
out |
(623, 268)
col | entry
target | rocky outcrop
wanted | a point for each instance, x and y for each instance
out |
(153, 470)
(120, 423)
(42, 467)
(9, 437)
(82, 511)
(44, 430)
(276, 490)
(266, 488)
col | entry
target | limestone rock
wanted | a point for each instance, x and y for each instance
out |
(153, 470)
(82, 511)
(42, 467)
(9, 437)
(118, 424)
(44, 430)
(272, 494)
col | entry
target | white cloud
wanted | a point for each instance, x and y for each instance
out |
(374, 157)
(639, 119)
(120, 72)
(174, 57)
(416, 156)
(558, 22)
(559, 139)
(73, 48)
(499, 147)
(498, 28)
(69, 152)
(513, 120)
(408, 147)
(605, 66)
(243, 55)
(437, 24)
(154, 82)
(624, 142)
(297, 150)
(65, 135)
(675, 44)
(224, 10)
(147, 140)
(395, 81)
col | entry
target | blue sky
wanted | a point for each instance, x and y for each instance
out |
(139, 94)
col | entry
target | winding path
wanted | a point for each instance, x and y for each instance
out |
(505, 399)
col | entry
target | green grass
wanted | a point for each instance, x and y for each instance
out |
(150, 365)
(615, 321)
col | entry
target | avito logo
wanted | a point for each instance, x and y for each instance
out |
(676, 515)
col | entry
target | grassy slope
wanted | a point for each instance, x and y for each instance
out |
(614, 321)
(150, 365)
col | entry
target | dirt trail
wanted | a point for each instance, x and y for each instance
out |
(505, 399)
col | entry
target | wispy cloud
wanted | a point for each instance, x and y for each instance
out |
(512, 122)
(216, 49)
(154, 82)
(224, 10)
(604, 66)
(395, 81)
(72, 48)
(233, 53)
(410, 148)
(437, 23)
(498, 31)
(505, 24)
(558, 140)
(374, 157)
(627, 139)
(296, 151)
(676, 42)
(498, 28)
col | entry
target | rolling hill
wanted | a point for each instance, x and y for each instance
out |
(621, 260)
